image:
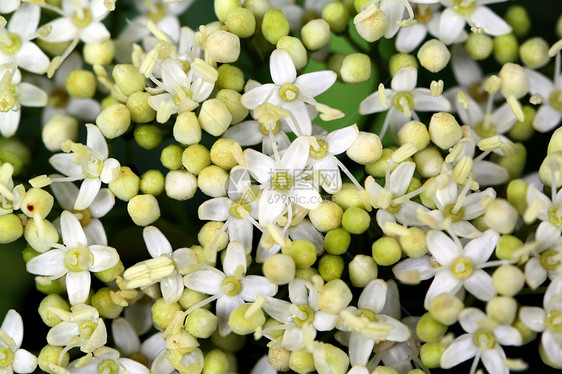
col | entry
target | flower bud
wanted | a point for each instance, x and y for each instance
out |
(371, 23)
(59, 129)
(506, 48)
(523, 130)
(516, 195)
(366, 148)
(336, 241)
(336, 15)
(201, 323)
(330, 267)
(171, 157)
(213, 181)
(386, 251)
(508, 280)
(334, 296)
(445, 308)
(258, 7)
(329, 359)
(152, 182)
(444, 130)
(279, 269)
(37, 202)
(515, 81)
(241, 22)
(114, 120)
(190, 298)
(99, 53)
(230, 77)
(148, 136)
(430, 354)
(81, 84)
(107, 101)
(208, 233)
(163, 313)
(335, 62)
(428, 162)
(48, 286)
(223, 151)
(347, 196)
(128, 78)
(214, 117)
(434, 55)
(224, 7)
(527, 334)
(355, 68)
(479, 46)
(104, 304)
(500, 216)
(180, 185)
(143, 209)
(326, 217)
(534, 53)
(413, 245)
(400, 60)
(307, 274)
(126, 185)
(518, 18)
(274, 25)
(316, 34)
(243, 324)
(195, 158)
(223, 46)
(50, 235)
(52, 357)
(362, 270)
(414, 132)
(52, 301)
(551, 170)
(301, 361)
(231, 99)
(139, 108)
(187, 129)
(502, 309)
(303, 253)
(378, 168)
(279, 358)
(384, 370)
(111, 274)
(507, 245)
(11, 228)
(294, 47)
(216, 362)
(429, 329)
(356, 220)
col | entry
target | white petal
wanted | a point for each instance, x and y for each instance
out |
(260, 166)
(405, 79)
(126, 339)
(373, 296)
(32, 96)
(443, 248)
(552, 295)
(281, 67)
(539, 83)
(110, 171)
(394, 11)
(245, 133)
(443, 281)
(316, 82)
(13, 326)
(9, 122)
(88, 191)
(72, 232)
(152, 346)
(102, 204)
(480, 285)
(324, 321)
(493, 360)
(263, 367)
(254, 286)
(104, 257)
(62, 333)
(271, 206)
(552, 347)
(257, 96)
(32, 58)
(172, 287)
(235, 260)
(217, 209)
(298, 291)
(409, 38)
(360, 349)
(24, 362)
(447, 195)
(469, 318)
(466, 70)
(399, 333)
(133, 367)
(489, 173)
(424, 101)
(156, 242)
(459, 351)
(94, 33)
(173, 75)
(295, 157)
(533, 317)
(508, 335)
(96, 141)
(207, 281)
(503, 118)
(372, 103)
(225, 306)
(8, 6)
(491, 23)
(340, 140)
(300, 122)
(305, 230)
(78, 286)
(50, 263)
(422, 265)
(278, 309)
(480, 249)
(306, 196)
(87, 109)
(535, 274)
(546, 118)
(401, 177)
(63, 29)
(62, 162)
(450, 25)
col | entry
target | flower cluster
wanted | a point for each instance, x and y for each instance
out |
(298, 232)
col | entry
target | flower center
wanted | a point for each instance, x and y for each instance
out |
(321, 151)
(484, 339)
(231, 286)
(449, 212)
(555, 216)
(157, 12)
(556, 100)
(240, 209)
(476, 91)
(371, 316)
(549, 260)
(58, 99)
(288, 92)
(86, 216)
(7, 101)
(281, 181)
(6, 357)
(422, 13)
(554, 321)
(83, 157)
(82, 18)
(11, 43)
(274, 128)
(485, 130)
(404, 102)
(182, 93)
(78, 259)
(464, 7)
(108, 367)
(461, 268)
(305, 317)
(87, 328)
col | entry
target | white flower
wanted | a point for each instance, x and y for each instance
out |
(550, 112)
(10, 196)
(12, 357)
(165, 267)
(173, 361)
(108, 360)
(127, 340)
(8, 6)
(75, 259)
(89, 162)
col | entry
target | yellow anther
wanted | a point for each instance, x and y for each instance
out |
(436, 88)
(328, 113)
(208, 72)
(395, 229)
(492, 84)
(405, 151)
(532, 211)
(490, 144)
(382, 96)
(462, 98)
(255, 307)
(515, 106)
(462, 169)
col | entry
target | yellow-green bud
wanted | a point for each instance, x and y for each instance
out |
(126, 185)
(524, 130)
(518, 18)
(216, 362)
(228, 343)
(506, 48)
(334, 296)
(306, 274)
(434, 55)
(356, 220)
(330, 267)
(332, 360)
(294, 47)
(366, 148)
(316, 34)
(279, 358)
(152, 182)
(28, 253)
(400, 60)
(114, 120)
(208, 233)
(241, 22)
(279, 269)
(301, 361)
(426, 196)
(15, 152)
(100, 53)
(195, 158)
(386, 251)
(355, 68)
(274, 25)
(335, 62)
(551, 167)
(11, 228)
(371, 23)
(336, 15)
(104, 304)
(190, 298)
(242, 324)
(445, 308)
(201, 323)
(555, 143)
(81, 84)
(534, 53)
(385, 370)
(231, 99)
(139, 108)
(52, 301)
(59, 129)
(508, 280)
(107, 101)
(187, 129)
(479, 46)
(336, 241)
(527, 334)
(430, 354)
(414, 132)
(429, 329)
(444, 130)
(37, 202)
(414, 245)
(516, 195)
(362, 270)
(47, 286)
(214, 117)
(148, 136)
(171, 157)
(507, 245)
(515, 81)
(500, 216)
(224, 7)
(50, 235)
(258, 7)
(303, 253)
(378, 168)
(223, 151)
(111, 274)
(180, 185)
(230, 77)
(50, 358)
(213, 181)
(223, 46)
(143, 209)
(128, 78)
(502, 309)
(326, 217)
(347, 196)
(163, 313)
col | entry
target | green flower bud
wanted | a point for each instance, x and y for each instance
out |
(28, 253)
(356, 220)
(104, 304)
(50, 235)
(224, 7)
(502, 309)
(223, 153)
(366, 148)
(371, 23)
(429, 329)
(139, 108)
(57, 130)
(428, 162)
(279, 269)
(190, 298)
(195, 158)
(517, 195)
(229, 343)
(434, 55)
(358, 4)
(334, 296)
(128, 79)
(378, 168)
(416, 371)
(316, 34)
(163, 313)
(148, 136)
(213, 181)
(355, 68)
(527, 334)
(444, 130)
(336, 15)
(555, 143)
(37, 202)
(336, 241)
(47, 286)
(107, 101)
(100, 53)
(508, 280)
(306, 274)
(114, 120)
(201, 323)
(241, 21)
(209, 231)
(326, 217)
(500, 216)
(414, 132)
(143, 209)
(244, 321)
(126, 185)
(223, 46)
(214, 117)
(152, 182)
(518, 18)
(347, 196)
(303, 253)
(111, 274)
(14, 152)
(550, 167)
(430, 354)
(301, 361)
(279, 358)
(445, 308)
(258, 7)
(274, 25)
(515, 81)
(50, 359)
(230, 77)
(332, 360)
(426, 196)
(507, 245)
(187, 129)
(180, 185)
(81, 84)
(231, 99)
(294, 47)
(506, 48)
(413, 245)
(216, 362)
(524, 130)
(362, 270)
(386, 251)
(171, 157)
(479, 46)
(331, 267)
(534, 53)
(11, 228)
(52, 301)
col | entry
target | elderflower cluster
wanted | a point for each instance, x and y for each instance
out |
(313, 186)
